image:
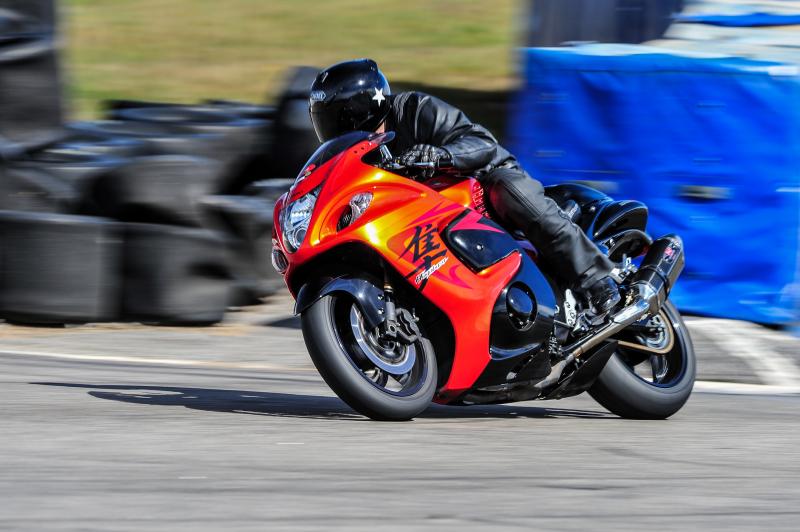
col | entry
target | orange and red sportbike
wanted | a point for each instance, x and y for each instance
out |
(410, 293)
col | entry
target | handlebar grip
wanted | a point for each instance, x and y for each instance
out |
(441, 164)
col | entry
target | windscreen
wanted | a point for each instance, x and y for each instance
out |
(334, 147)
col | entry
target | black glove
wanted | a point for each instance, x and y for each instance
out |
(424, 153)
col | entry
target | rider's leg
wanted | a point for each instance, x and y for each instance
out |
(520, 203)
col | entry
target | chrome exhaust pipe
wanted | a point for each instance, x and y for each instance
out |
(650, 287)
(659, 271)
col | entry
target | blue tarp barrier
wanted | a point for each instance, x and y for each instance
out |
(712, 145)
(742, 21)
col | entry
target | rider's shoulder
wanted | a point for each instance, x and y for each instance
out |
(406, 97)
(414, 99)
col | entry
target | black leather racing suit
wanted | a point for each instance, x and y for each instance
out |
(517, 200)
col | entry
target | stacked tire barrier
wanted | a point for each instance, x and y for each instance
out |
(42, 11)
(295, 139)
(142, 217)
(30, 96)
(59, 268)
(159, 213)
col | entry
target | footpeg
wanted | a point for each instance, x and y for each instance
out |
(650, 287)
(603, 297)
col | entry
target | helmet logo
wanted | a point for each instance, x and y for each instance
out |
(379, 97)
(317, 96)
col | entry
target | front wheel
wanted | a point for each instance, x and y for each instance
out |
(652, 373)
(384, 380)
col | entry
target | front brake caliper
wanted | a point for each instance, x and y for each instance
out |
(406, 328)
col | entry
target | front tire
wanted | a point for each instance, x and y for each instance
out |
(624, 390)
(336, 345)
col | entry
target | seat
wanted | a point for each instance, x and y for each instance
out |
(595, 212)
(568, 196)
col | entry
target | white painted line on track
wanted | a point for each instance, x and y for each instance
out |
(156, 361)
(750, 343)
(750, 328)
(733, 388)
(738, 388)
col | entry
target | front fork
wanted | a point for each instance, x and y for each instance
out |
(398, 325)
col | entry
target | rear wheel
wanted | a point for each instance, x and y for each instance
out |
(652, 373)
(380, 378)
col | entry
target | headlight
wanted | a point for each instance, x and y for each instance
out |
(295, 219)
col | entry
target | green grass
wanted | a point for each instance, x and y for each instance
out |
(187, 50)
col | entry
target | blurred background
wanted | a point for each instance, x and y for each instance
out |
(153, 376)
(144, 142)
(185, 50)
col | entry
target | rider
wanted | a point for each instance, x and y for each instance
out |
(355, 95)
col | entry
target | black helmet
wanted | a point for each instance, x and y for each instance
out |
(348, 96)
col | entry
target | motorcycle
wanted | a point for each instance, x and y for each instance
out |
(410, 293)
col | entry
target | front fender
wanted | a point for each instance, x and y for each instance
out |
(364, 291)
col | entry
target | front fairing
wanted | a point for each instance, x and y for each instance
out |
(338, 180)
(404, 224)
(325, 158)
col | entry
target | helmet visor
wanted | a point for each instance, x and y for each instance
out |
(327, 125)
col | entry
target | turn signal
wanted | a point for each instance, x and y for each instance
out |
(358, 204)
(279, 260)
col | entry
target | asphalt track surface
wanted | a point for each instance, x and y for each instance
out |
(114, 443)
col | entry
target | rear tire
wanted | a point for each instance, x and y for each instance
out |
(325, 334)
(624, 393)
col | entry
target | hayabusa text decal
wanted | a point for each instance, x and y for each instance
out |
(424, 247)
(430, 271)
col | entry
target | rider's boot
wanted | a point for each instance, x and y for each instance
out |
(603, 296)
